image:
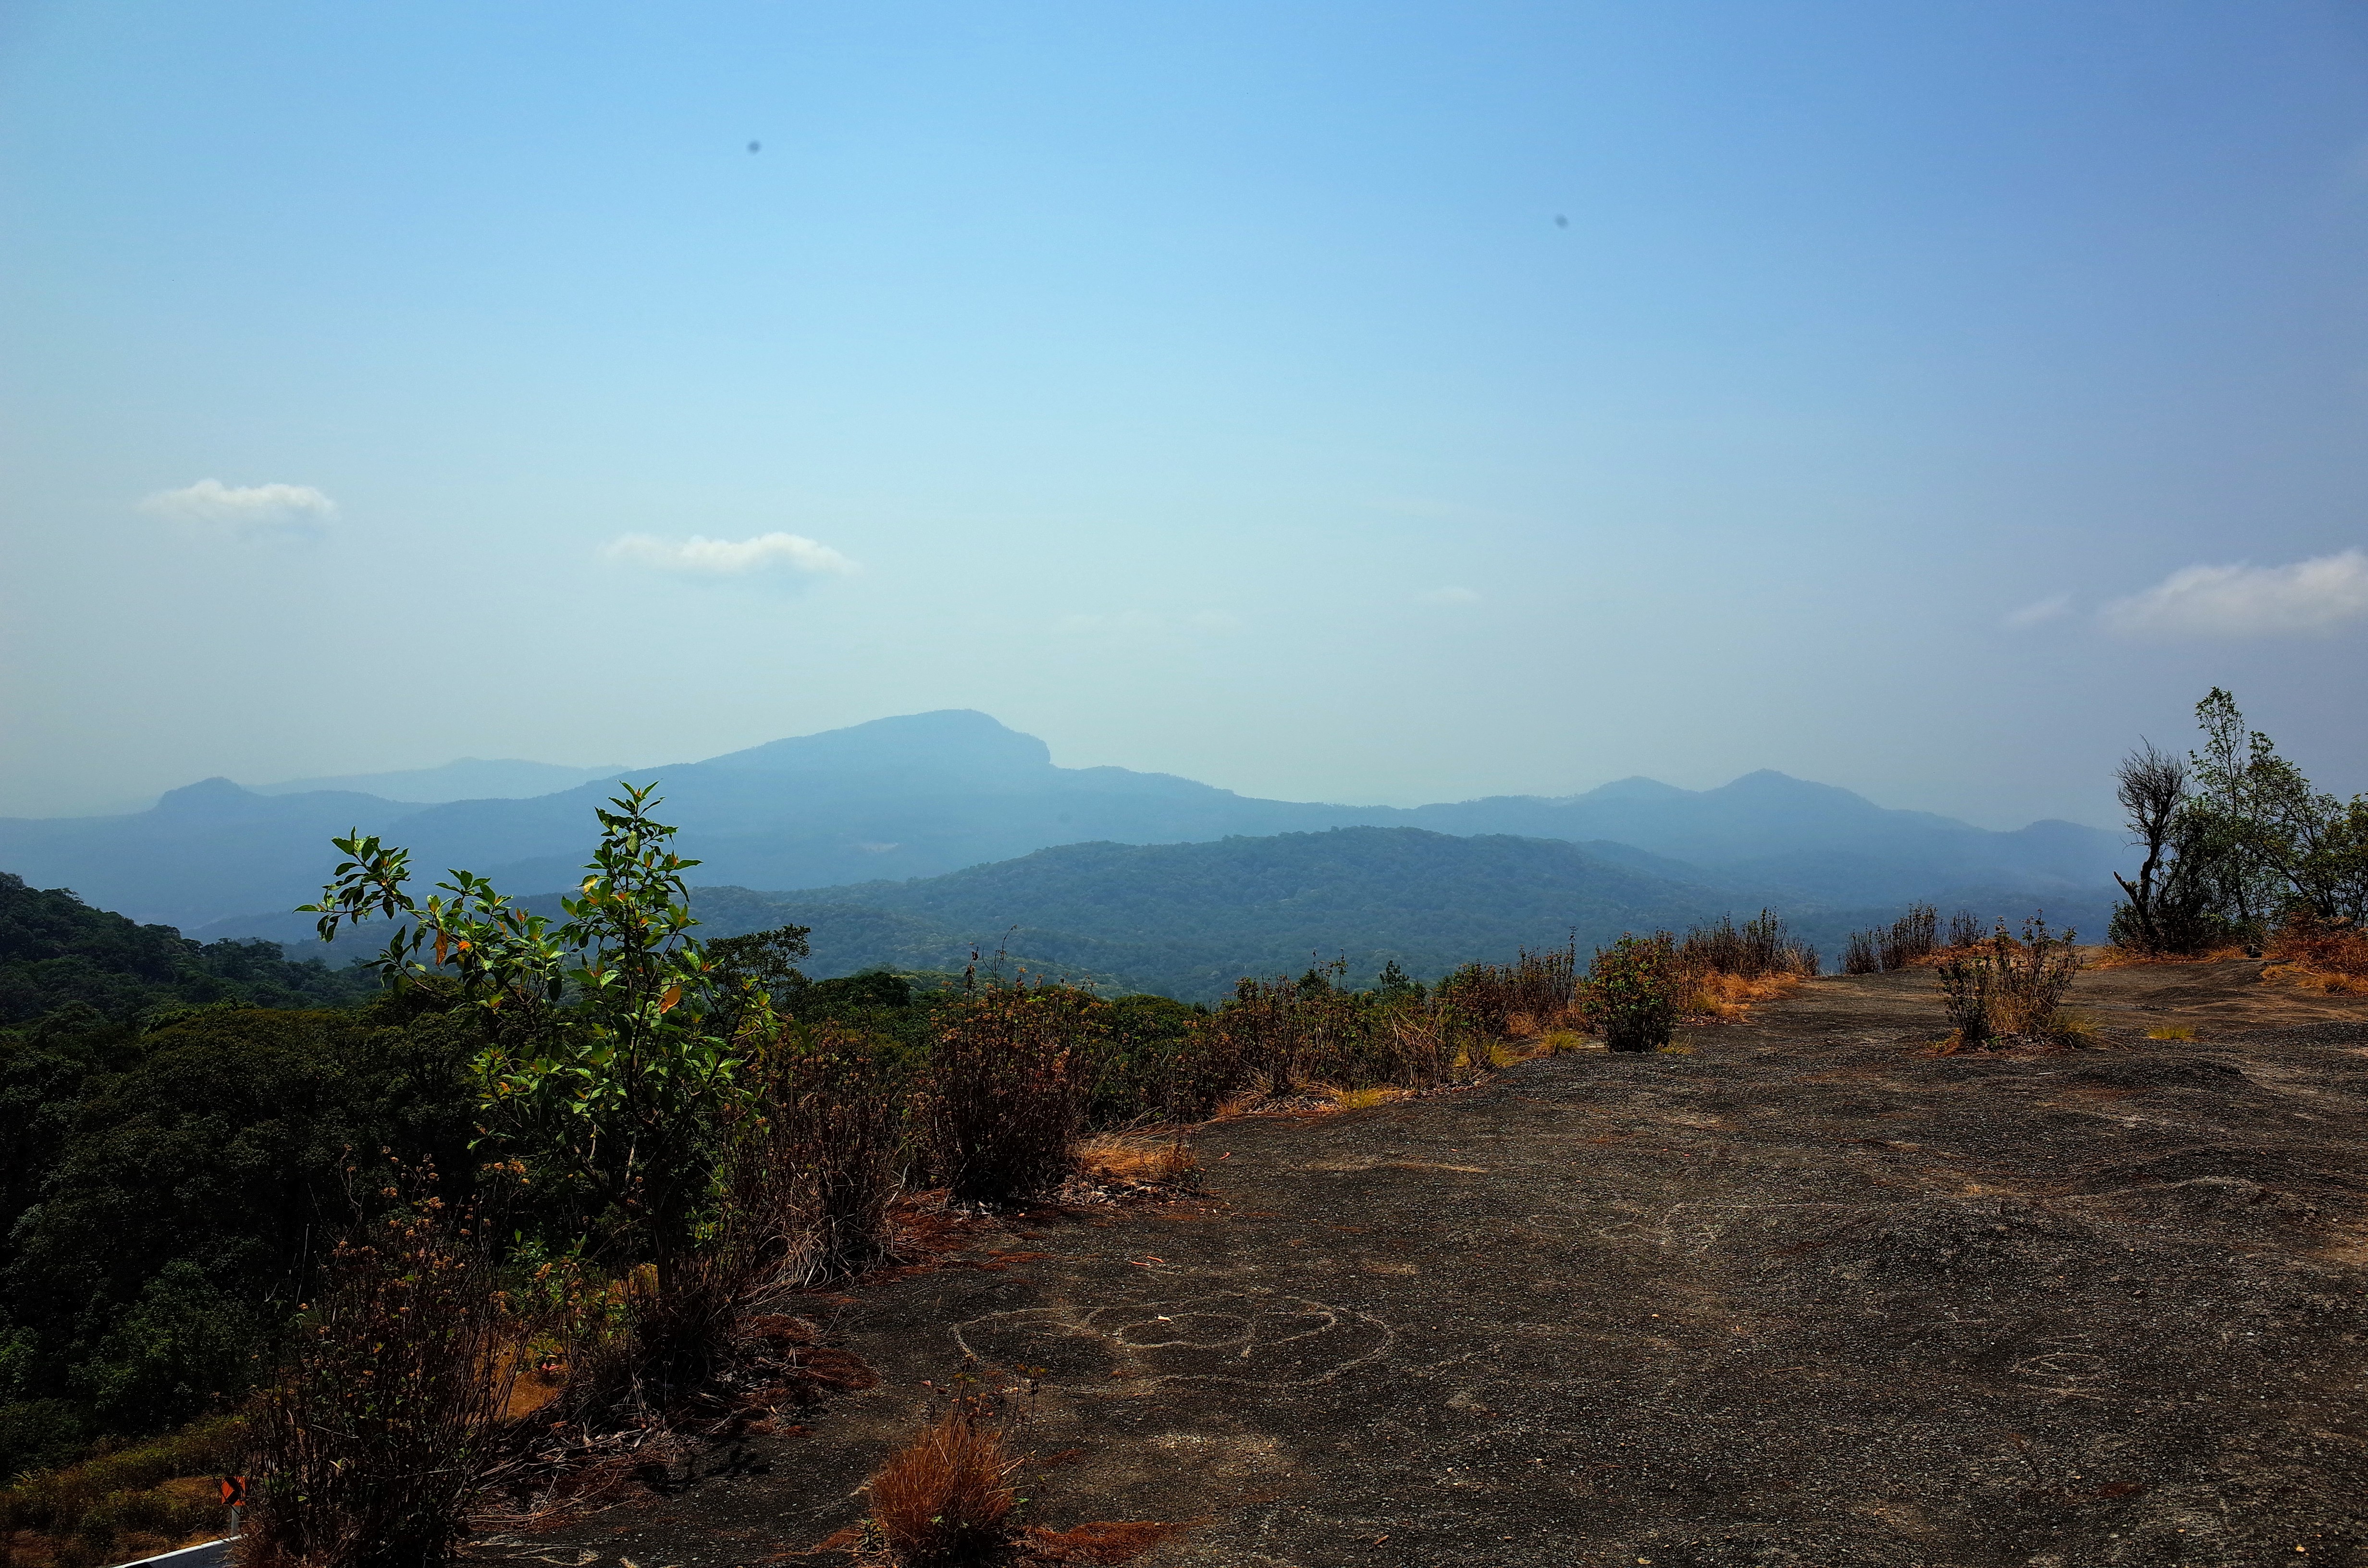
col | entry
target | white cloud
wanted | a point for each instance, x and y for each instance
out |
(2054, 607)
(249, 513)
(1449, 596)
(700, 556)
(2248, 601)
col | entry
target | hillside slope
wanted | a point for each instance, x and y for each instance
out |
(1805, 1294)
(57, 952)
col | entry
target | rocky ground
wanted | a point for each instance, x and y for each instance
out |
(1800, 1293)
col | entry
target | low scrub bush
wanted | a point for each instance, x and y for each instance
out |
(1284, 1035)
(1757, 949)
(1005, 1098)
(822, 1157)
(1158, 1061)
(1724, 968)
(1515, 1000)
(1915, 935)
(1634, 991)
(1908, 942)
(371, 1442)
(2008, 990)
(1270, 1032)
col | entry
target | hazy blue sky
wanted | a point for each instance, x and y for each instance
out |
(1370, 402)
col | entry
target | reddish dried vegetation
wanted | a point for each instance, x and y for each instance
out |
(946, 1499)
(2334, 958)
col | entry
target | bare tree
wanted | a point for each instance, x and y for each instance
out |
(2151, 784)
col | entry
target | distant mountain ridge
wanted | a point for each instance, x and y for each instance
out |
(466, 779)
(922, 795)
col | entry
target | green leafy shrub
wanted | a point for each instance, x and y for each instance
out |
(1632, 991)
(617, 1047)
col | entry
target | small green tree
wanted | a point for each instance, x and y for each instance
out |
(2224, 830)
(2256, 840)
(618, 1045)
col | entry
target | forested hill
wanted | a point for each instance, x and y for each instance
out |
(57, 952)
(1186, 920)
(1190, 919)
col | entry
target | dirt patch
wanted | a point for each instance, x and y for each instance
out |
(1805, 1297)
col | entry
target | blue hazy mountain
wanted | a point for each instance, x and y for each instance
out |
(469, 779)
(927, 794)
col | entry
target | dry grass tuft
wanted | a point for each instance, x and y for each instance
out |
(946, 1500)
(1138, 1159)
(1242, 1102)
(2129, 958)
(2172, 1031)
(1728, 997)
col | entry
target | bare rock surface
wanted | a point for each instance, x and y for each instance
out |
(1801, 1294)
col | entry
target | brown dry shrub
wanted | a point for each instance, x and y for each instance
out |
(373, 1441)
(821, 1160)
(1537, 989)
(1008, 1072)
(1907, 942)
(2013, 992)
(946, 1500)
(1271, 1030)
(1760, 948)
(2331, 956)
